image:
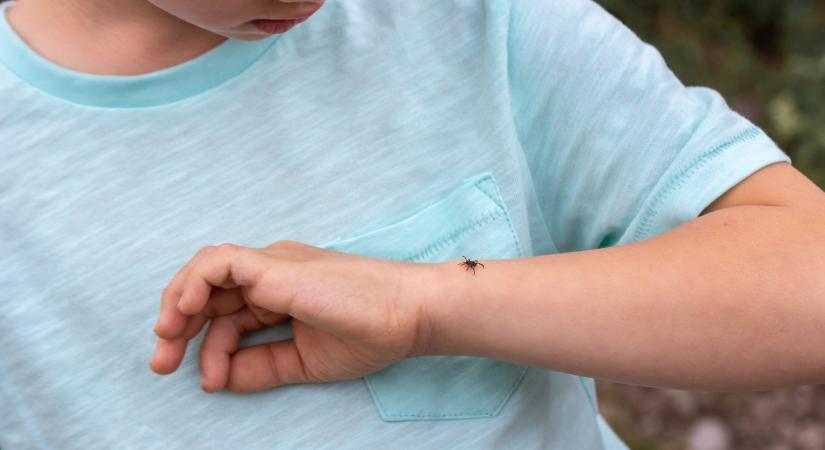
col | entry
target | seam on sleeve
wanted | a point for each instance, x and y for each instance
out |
(679, 179)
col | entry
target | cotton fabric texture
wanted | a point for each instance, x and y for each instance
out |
(416, 130)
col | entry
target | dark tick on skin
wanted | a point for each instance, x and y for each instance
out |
(470, 263)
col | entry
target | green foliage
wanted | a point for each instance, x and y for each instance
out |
(766, 57)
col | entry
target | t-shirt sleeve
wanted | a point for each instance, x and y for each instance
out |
(618, 148)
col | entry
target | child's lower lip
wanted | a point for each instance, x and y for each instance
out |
(276, 26)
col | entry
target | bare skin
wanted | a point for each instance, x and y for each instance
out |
(729, 301)
(131, 37)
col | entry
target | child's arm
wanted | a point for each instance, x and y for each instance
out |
(733, 300)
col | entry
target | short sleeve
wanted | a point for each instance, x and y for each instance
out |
(618, 148)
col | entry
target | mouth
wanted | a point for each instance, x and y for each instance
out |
(276, 26)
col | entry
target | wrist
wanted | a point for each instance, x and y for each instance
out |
(431, 288)
(423, 289)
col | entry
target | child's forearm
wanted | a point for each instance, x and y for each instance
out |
(733, 300)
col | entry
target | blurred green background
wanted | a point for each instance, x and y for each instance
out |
(767, 58)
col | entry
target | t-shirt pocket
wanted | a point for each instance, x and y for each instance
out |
(470, 220)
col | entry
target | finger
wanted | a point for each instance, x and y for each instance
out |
(171, 322)
(221, 340)
(221, 302)
(268, 317)
(170, 352)
(266, 366)
(227, 266)
(165, 359)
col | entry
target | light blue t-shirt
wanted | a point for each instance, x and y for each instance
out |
(415, 130)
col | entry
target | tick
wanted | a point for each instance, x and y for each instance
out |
(470, 263)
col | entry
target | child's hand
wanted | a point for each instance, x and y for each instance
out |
(351, 315)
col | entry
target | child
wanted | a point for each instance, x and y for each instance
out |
(348, 163)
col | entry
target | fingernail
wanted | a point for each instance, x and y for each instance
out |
(204, 387)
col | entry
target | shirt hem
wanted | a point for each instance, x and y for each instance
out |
(705, 178)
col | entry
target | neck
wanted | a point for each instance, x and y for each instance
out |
(108, 37)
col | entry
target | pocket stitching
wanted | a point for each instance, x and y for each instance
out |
(487, 178)
(501, 205)
(475, 224)
(495, 412)
(454, 236)
(407, 217)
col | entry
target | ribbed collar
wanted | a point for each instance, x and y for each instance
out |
(192, 77)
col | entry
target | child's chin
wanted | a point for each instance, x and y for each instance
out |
(253, 36)
(249, 37)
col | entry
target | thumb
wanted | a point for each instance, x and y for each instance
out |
(266, 366)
